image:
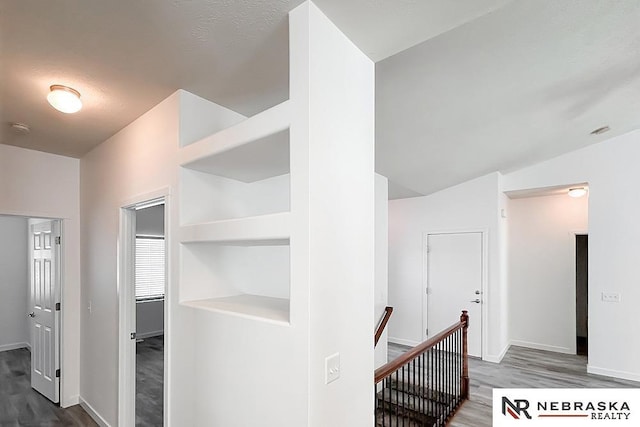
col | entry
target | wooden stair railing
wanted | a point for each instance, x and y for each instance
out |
(382, 325)
(426, 385)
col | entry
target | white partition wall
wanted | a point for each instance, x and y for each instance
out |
(334, 82)
(276, 246)
(270, 228)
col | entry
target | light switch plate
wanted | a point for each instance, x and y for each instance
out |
(332, 368)
(610, 297)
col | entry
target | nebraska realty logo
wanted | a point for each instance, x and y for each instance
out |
(566, 407)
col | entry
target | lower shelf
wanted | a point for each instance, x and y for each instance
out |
(249, 306)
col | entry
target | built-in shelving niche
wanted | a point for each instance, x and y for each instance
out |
(242, 171)
(234, 216)
(248, 279)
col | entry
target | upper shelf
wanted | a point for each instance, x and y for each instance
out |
(272, 229)
(252, 150)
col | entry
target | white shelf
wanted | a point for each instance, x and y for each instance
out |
(252, 150)
(248, 306)
(273, 229)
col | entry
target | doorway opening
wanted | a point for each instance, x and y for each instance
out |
(582, 294)
(142, 292)
(30, 303)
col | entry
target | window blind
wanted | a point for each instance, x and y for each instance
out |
(149, 267)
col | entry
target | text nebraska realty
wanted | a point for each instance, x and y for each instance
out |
(598, 410)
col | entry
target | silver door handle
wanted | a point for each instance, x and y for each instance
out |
(32, 314)
(477, 300)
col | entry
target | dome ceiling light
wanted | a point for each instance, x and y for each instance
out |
(577, 192)
(64, 99)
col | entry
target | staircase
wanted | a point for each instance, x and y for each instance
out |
(405, 404)
(426, 385)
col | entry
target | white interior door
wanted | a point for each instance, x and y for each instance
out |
(45, 285)
(454, 283)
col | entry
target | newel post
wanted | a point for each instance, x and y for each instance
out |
(464, 379)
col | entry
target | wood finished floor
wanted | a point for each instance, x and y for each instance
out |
(149, 381)
(521, 368)
(20, 405)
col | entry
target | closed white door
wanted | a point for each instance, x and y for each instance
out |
(44, 316)
(454, 283)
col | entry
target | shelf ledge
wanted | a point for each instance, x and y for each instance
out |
(274, 310)
(271, 229)
(252, 150)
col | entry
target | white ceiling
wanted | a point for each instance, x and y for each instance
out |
(126, 56)
(520, 85)
(497, 84)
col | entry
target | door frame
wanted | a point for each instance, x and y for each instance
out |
(127, 305)
(484, 235)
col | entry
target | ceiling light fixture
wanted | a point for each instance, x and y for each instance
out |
(577, 192)
(64, 99)
(598, 131)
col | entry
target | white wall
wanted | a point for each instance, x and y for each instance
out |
(542, 285)
(473, 205)
(14, 283)
(612, 172)
(381, 293)
(138, 160)
(136, 164)
(337, 80)
(36, 184)
(217, 362)
(149, 318)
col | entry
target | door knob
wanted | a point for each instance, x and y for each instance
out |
(477, 300)
(32, 314)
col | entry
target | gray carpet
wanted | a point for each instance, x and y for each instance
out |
(20, 405)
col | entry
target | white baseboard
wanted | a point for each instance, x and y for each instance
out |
(499, 357)
(544, 347)
(149, 334)
(93, 414)
(14, 346)
(401, 341)
(71, 401)
(613, 373)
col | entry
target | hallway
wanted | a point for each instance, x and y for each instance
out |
(20, 405)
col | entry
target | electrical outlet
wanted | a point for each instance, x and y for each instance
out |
(332, 368)
(610, 297)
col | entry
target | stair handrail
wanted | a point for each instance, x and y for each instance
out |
(391, 367)
(383, 324)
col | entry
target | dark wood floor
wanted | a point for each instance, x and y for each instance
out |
(149, 381)
(521, 368)
(20, 405)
